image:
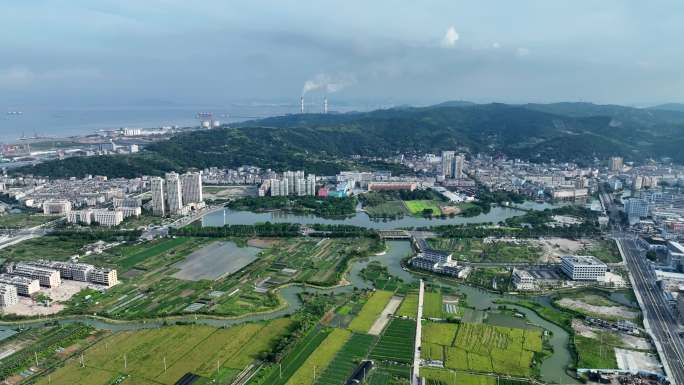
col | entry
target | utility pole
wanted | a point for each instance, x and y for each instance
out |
(164, 364)
(125, 362)
(280, 370)
(35, 354)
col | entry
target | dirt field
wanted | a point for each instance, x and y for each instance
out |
(384, 317)
(554, 248)
(636, 361)
(261, 243)
(609, 312)
(61, 293)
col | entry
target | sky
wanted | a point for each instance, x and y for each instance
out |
(84, 52)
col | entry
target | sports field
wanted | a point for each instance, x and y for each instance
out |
(140, 355)
(370, 311)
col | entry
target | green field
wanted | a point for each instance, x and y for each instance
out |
(439, 333)
(195, 349)
(346, 360)
(24, 220)
(370, 311)
(319, 360)
(432, 305)
(444, 377)
(605, 250)
(596, 303)
(409, 306)
(596, 354)
(496, 278)
(418, 207)
(477, 250)
(50, 247)
(278, 375)
(396, 343)
(389, 209)
(487, 348)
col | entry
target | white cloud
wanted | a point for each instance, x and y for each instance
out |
(21, 76)
(450, 37)
(328, 83)
(520, 52)
(16, 76)
(496, 45)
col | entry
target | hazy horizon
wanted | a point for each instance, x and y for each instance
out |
(78, 53)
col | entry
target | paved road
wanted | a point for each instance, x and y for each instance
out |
(663, 326)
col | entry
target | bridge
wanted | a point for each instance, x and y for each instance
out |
(394, 234)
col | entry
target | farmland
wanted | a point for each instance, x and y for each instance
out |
(432, 305)
(153, 286)
(320, 358)
(485, 348)
(370, 311)
(409, 307)
(396, 343)
(141, 355)
(346, 360)
(24, 220)
(479, 250)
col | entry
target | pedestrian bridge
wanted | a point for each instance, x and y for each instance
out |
(394, 234)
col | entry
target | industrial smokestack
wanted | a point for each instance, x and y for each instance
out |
(325, 105)
(301, 104)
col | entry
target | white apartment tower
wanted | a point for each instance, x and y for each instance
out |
(191, 183)
(311, 185)
(8, 295)
(157, 190)
(459, 161)
(448, 163)
(174, 193)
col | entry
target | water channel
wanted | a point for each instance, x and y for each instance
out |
(552, 368)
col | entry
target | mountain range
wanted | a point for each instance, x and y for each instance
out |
(581, 132)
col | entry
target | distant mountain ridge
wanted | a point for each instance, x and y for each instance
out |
(538, 132)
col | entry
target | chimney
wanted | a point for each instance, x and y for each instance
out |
(325, 105)
(301, 105)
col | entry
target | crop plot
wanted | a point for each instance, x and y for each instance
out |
(396, 343)
(346, 360)
(370, 311)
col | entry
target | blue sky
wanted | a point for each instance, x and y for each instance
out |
(103, 52)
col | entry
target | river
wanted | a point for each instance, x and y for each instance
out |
(361, 219)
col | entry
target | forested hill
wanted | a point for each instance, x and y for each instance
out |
(315, 142)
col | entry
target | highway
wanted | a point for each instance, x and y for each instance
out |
(660, 322)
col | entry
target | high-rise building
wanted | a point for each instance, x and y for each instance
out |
(616, 163)
(174, 194)
(448, 163)
(300, 186)
(8, 295)
(636, 208)
(191, 183)
(158, 201)
(459, 161)
(311, 185)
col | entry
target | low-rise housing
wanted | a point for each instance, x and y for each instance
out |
(523, 280)
(25, 286)
(47, 277)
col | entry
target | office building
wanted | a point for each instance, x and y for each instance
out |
(25, 286)
(636, 208)
(56, 206)
(390, 186)
(158, 202)
(46, 277)
(103, 276)
(448, 163)
(615, 163)
(191, 186)
(583, 268)
(8, 295)
(174, 193)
